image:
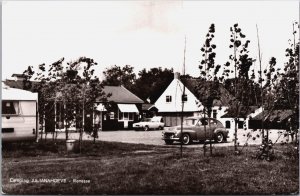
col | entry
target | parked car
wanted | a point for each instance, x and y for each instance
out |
(193, 129)
(157, 122)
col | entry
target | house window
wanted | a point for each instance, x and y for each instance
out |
(112, 115)
(168, 98)
(227, 124)
(215, 113)
(184, 98)
(130, 116)
(10, 107)
(240, 124)
(126, 116)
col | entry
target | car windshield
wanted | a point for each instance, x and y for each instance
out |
(146, 120)
(156, 119)
(189, 122)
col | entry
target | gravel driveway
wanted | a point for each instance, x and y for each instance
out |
(153, 137)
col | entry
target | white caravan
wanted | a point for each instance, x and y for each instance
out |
(19, 115)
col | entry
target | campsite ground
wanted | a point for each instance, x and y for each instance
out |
(122, 168)
(153, 137)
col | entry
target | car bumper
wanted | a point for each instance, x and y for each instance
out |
(137, 126)
(171, 136)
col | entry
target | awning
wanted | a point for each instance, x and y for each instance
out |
(101, 107)
(128, 108)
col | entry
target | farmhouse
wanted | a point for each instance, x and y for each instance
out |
(169, 104)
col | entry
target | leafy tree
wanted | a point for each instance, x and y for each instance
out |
(242, 83)
(74, 85)
(116, 76)
(253, 87)
(208, 86)
(282, 89)
(151, 84)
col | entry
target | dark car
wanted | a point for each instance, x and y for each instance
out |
(193, 129)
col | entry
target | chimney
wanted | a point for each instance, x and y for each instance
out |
(176, 75)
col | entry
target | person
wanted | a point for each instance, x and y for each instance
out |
(290, 129)
(97, 124)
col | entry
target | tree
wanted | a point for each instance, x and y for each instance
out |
(116, 76)
(242, 80)
(74, 85)
(282, 89)
(253, 87)
(151, 84)
(208, 87)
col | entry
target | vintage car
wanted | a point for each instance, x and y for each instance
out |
(157, 122)
(194, 129)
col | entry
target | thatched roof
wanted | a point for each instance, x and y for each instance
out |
(224, 96)
(275, 115)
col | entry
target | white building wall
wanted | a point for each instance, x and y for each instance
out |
(175, 90)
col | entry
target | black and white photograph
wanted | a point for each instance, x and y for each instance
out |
(150, 97)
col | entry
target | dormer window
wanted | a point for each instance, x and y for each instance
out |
(168, 98)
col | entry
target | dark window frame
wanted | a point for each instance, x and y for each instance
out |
(168, 98)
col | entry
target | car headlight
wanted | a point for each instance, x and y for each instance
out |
(177, 132)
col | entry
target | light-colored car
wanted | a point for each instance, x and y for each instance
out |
(193, 129)
(157, 122)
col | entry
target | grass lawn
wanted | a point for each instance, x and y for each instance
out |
(118, 168)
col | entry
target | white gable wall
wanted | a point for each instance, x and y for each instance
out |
(175, 90)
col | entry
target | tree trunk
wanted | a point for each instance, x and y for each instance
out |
(235, 135)
(204, 147)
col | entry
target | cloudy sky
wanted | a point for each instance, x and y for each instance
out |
(143, 34)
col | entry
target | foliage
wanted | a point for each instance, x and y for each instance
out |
(242, 84)
(254, 90)
(151, 84)
(116, 76)
(74, 85)
(208, 87)
(281, 89)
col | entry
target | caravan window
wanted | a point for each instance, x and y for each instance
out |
(10, 107)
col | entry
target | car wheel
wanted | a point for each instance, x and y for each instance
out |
(146, 128)
(169, 142)
(220, 138)
(186, 139)
(160, 128)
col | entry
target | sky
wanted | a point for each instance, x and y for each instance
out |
(143, 34)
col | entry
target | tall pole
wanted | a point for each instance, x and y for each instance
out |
(182, 98)
(235, 93)
(261, 86)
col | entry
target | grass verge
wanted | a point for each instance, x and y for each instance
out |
(118, 168)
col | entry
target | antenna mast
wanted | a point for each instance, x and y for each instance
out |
(182, 98)
(261, 86)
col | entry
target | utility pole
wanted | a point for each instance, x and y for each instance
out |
(235, 93)
(261, 87)
(182, 99)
